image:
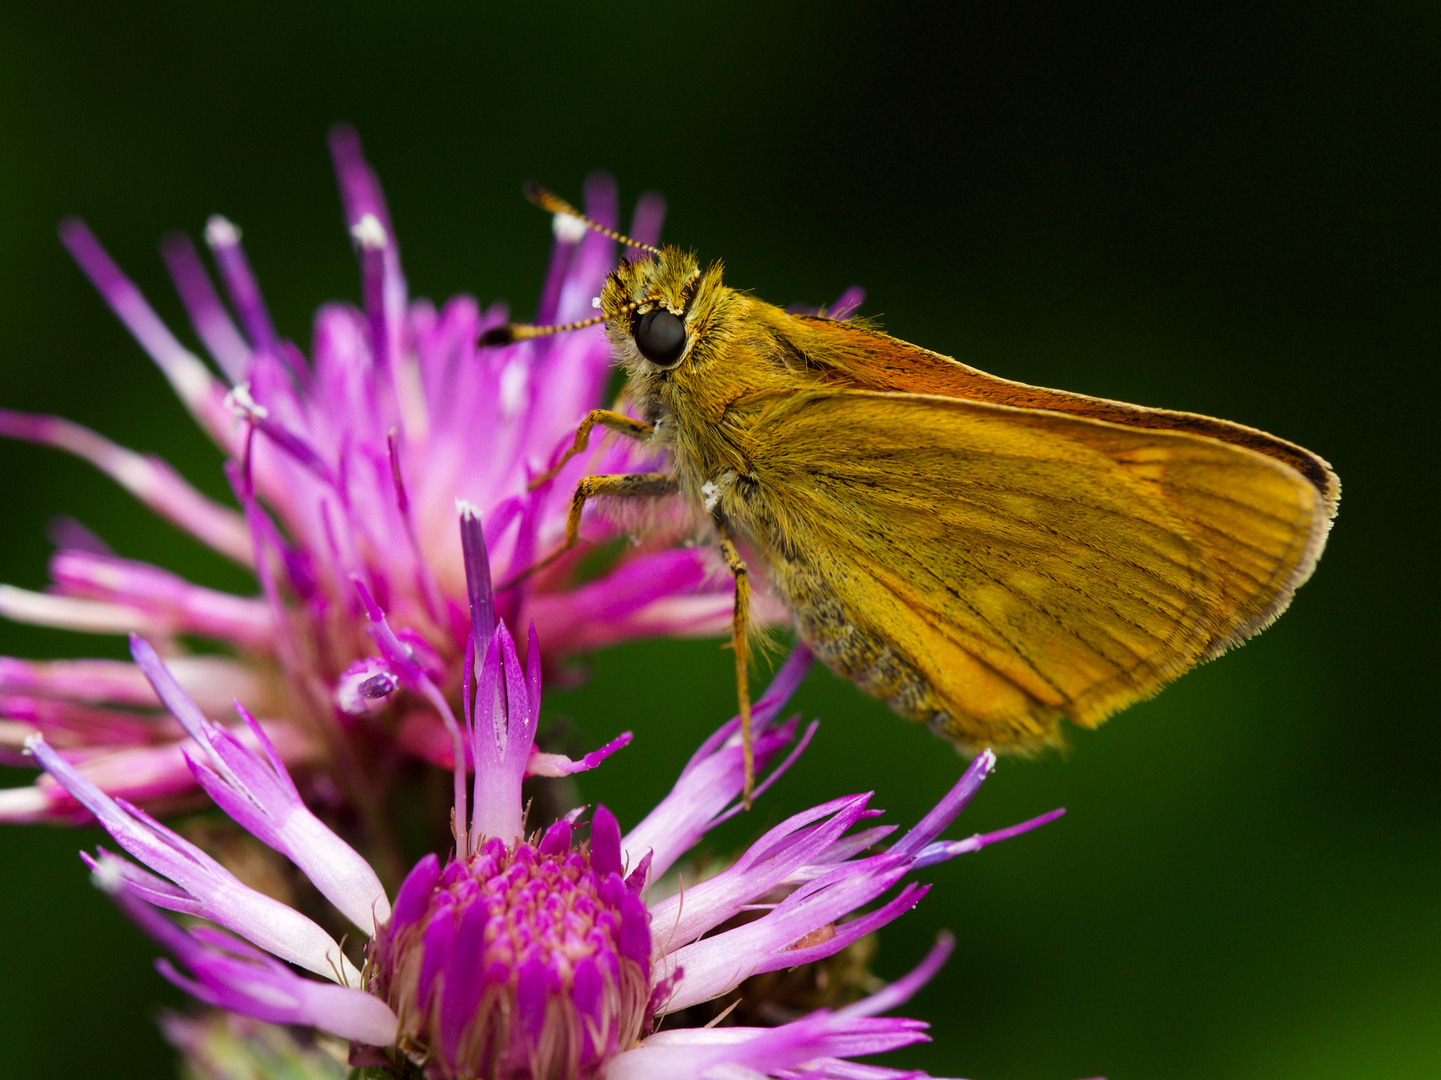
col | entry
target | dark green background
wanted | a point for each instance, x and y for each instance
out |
(1227, 210)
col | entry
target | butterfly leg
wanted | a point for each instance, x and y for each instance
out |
(618, 485)
(740, 642)
(635, 429)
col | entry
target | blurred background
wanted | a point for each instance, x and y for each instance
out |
(1224, 209)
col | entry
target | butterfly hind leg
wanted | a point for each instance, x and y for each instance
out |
(740, 642)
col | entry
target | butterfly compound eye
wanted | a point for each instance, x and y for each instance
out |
(660, 337)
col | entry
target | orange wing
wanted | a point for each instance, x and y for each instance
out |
(1027, 563)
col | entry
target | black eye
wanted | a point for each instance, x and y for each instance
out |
(660, 337)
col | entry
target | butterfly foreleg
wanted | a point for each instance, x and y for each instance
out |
(740, 642)
(607, 418)
(613, 485)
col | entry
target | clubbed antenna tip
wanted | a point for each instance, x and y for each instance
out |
(497, 335)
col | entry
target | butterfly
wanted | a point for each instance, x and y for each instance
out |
(988, 558)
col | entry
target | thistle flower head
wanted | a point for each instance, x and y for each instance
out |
(535, 950)
(525, 959)
(535, 953)
(346, 462)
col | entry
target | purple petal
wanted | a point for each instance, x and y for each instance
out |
(223, 239)
(207, 314)
(370, 226)
(359, 188)
(212, 680)
(532, 994)
(404, 664)
(587, 994)
(635, 939)
(699, 800)
(649, 216)
(780, 770)
(767, 864)
(147, 886)
(945, 811)
(154, 774)
(175, 700)
(413, 898)
(464, 980)
(785, 683)
(640, 877)
(847, 302)
(67, 725)
(260, 796)
(532, 680)
(193, 384)
(542, 764)
(188, 608)
(744, 1051)
(149, 479)
(940, 852)
(291, 442)
(437, 942)
(477, 572)
(519, 727)
(605, 855)
(503, 738)
(901, 991)
(556, 840)
(229, 976)
(716, 964)
(220, 896)
(71, 613)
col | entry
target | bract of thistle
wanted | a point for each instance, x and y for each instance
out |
(225, 1045)
(345, 463)
(533, 954)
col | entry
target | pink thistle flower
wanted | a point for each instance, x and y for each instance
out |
(346, 464)
(532, 955)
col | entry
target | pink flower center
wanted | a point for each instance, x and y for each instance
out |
(522, 961)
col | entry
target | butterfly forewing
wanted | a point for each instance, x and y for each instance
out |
(1028, 565)
(984, 556)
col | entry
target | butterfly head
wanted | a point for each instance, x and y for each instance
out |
(655, 307)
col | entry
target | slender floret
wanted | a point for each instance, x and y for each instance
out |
(532, 953)
(345, 463)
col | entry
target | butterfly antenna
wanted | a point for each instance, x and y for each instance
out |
(506, 335)
(513, 332)
(556, 205)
